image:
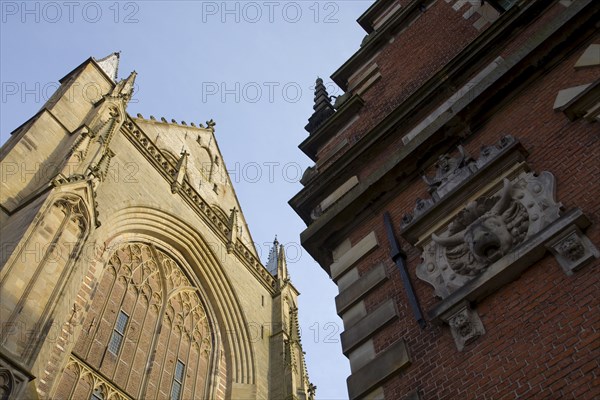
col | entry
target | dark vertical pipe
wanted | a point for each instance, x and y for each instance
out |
(399, 258)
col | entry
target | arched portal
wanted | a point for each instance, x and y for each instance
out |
(135, 242)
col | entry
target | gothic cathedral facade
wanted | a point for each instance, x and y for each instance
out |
(127, 269)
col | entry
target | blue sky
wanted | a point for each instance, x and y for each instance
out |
(250, 66)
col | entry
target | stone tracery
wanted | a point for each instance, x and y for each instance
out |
(153, 291)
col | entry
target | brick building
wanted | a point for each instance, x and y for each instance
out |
(455, 200)
(127, 269)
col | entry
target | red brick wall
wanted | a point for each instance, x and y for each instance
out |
(542, 331)
(414, 56)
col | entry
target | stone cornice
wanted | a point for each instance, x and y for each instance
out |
(368, 17)
(585, 104)
(219, 226)
(394, 174)
(329, 129)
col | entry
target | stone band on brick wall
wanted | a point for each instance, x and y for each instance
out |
(358, 251)
(356, 291)
(367, 326)
(385, 365)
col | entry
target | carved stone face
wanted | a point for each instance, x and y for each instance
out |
(488, 238)
(461, 323)
(443, 163)
(484, 232)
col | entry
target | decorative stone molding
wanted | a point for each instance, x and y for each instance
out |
(450, 172)
(465, 325)
(485, 14)
(219, 224)
(359, 289)
(85, 372)
(13, 377)
(590, 57)
(367, 326)
(335, 196)
(580, 102)
(7, 383)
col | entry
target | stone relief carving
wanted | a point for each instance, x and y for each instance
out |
(466, 326)
(12, 381)
(573, 250)
(472, 250)
(6, 384)
(486, 230)
(452, 172)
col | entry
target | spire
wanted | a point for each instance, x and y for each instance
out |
(323, 108)
(273, 258)
(110, 64)
(124, 88)
(282, 272)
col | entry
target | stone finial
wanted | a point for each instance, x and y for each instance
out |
(323, 109)
(211, 125)
(321, 96)
(124, 88)
(180, 170)
(233, 229)
(273, 257)
(282, 271)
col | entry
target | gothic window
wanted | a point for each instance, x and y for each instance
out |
(97, 395)
(159, 309)
(118, 333)
(177, 381)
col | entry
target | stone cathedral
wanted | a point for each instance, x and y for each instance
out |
(127, 268)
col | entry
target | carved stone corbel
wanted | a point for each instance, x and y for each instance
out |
(465, 325)
(572, 250)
